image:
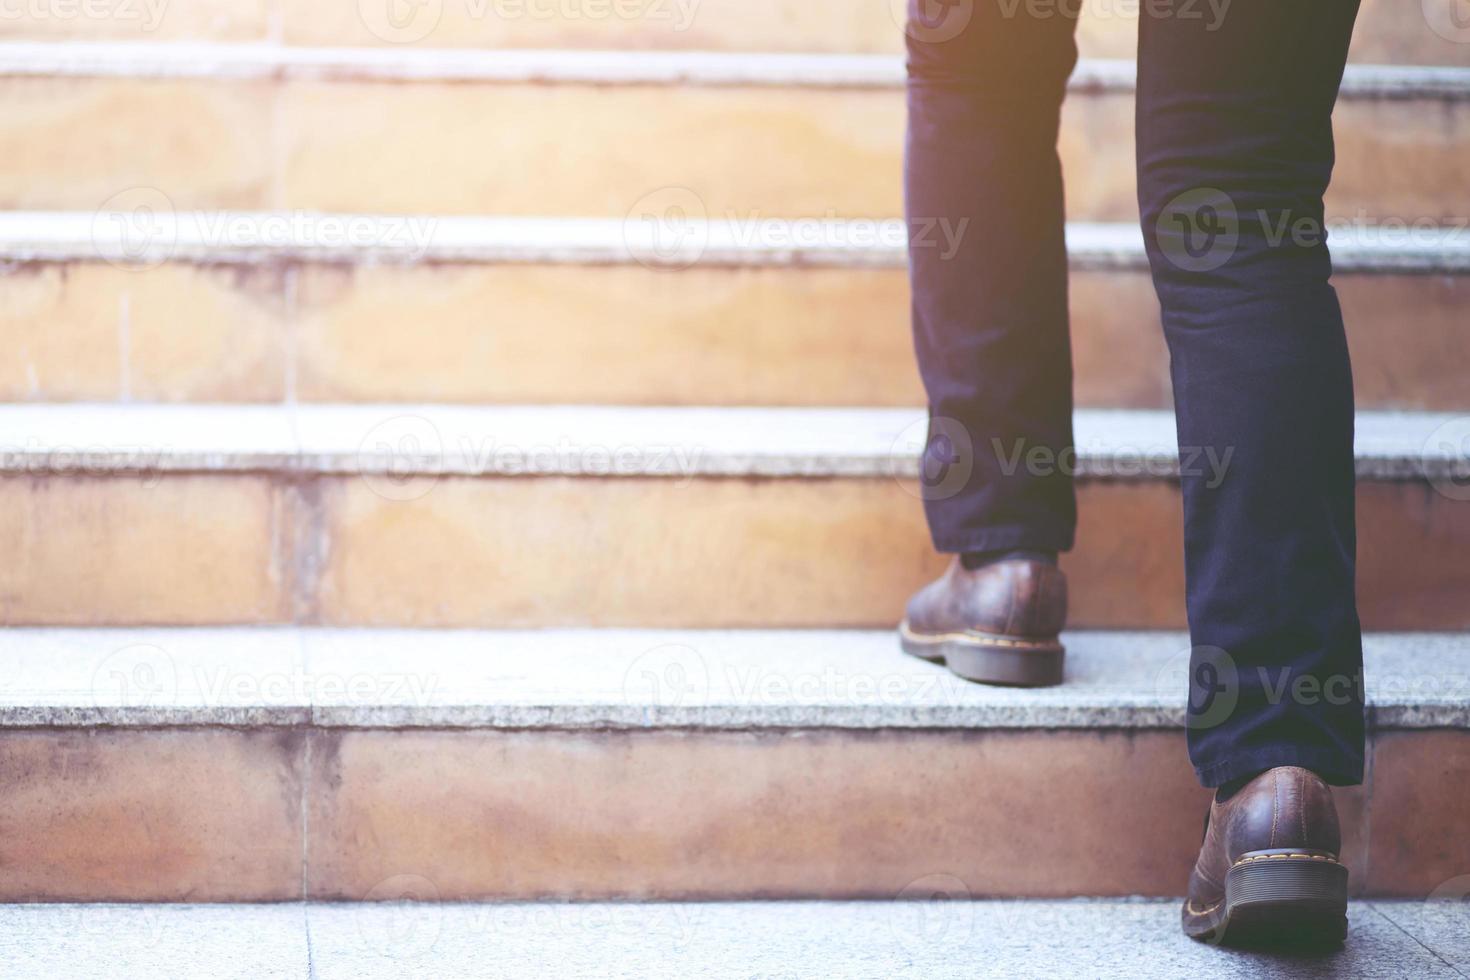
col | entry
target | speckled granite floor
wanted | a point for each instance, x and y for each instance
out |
(925, 939)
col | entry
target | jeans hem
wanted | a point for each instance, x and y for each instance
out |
(1334, 767)
(1010, 537)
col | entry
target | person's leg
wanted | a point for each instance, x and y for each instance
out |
(1235, 146)
(988, 263)
(1234, 154)
(985, 87)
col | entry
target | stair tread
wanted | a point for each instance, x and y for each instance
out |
(631, 679)
(186, 59)
(932, 938)
(261, 236)
(680, 442)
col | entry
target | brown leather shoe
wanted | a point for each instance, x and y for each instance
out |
(997, 624)
(1268, 871)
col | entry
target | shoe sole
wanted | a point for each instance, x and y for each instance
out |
(1275, 900)
(986, 658)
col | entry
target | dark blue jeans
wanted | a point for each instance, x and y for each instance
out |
(1234, 143)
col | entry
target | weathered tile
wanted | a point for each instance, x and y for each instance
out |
(108, 815)
(91, 331)
(116, 550)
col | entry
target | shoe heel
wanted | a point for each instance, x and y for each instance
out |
(1300, 900)
(1038, 665)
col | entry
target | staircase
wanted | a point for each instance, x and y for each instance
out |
(471, 456)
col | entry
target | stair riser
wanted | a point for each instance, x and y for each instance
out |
(555, 551)
(446, 149)
(608, 335)
(1389, 31)
(234, 815)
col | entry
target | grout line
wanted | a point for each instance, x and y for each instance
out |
(310, 953)
(303, 667)
(292, 352)
(125, 347)
(1373, 906)
(305, 813)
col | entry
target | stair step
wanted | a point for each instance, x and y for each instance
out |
(394, 515)
(762, 69)
(256, 238)
(1388, 30)
(934, 936)
(260, 126)
(264, 764)
(258, 307)
(555, 440)
(633, 680)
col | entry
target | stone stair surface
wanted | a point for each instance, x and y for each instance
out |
(563, 362)
(272, 306)
(931, 937)
(1431, 32)
(243, 764)
(404, 515)
(263, 126)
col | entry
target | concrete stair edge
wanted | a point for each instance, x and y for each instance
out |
(252, 237)
(632, 680)
(613, 441)
(253, 60)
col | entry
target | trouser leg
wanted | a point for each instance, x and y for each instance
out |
(983, 195)
(1235, 151)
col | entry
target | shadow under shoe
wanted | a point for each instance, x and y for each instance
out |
(996, 624)
(1268, 873)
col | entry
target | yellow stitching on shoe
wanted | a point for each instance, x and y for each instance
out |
(1275, 802)
(1282, 857)
(1189, 907)
(977, 638)
(1301, 790)
(1208, 879)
